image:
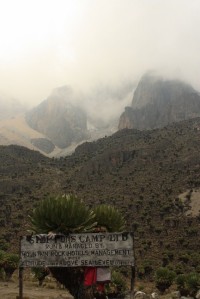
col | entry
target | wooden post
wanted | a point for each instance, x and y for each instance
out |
(132, 282)
(20, 273)
(132, 272)
(21, 282)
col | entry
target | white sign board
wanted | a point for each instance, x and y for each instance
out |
(77, 250)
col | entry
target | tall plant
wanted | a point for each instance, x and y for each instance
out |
(68, 214)
(62, 214)
(109, 218)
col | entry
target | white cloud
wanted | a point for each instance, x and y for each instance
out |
(45, 44)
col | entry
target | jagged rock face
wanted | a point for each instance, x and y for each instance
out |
(58, 119)
(157, 102)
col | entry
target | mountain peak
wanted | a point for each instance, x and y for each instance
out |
(59, 119)
(157, 102)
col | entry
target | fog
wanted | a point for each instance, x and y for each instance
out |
(91, 43)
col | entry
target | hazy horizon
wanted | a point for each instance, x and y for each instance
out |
(89, 43)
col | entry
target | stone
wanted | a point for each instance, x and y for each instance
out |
(175, 295)
(198, 295)
(154, 295)
(140, 295)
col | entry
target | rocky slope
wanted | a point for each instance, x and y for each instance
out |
(158, 102)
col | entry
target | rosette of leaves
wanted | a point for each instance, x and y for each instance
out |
(110, 218)
(62, 214)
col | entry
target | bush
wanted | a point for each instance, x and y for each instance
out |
(3, 245)
(188, 284)
(164, 278)
(40, 274)
(11, 264)
(8, 263)
(118, 284)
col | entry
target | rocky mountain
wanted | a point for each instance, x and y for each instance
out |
(158, 102)
(65, 119)
(152, 176)
(58, 119)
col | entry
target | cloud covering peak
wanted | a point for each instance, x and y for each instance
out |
(84, 43)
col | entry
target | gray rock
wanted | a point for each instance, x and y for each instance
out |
(154, 295)
(175, 295)
(198, 295)
(140, 295)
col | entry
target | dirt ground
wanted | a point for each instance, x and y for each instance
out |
(194, 202)
(10, 290)
(51, 289)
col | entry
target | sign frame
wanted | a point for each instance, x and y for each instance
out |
(88, 249)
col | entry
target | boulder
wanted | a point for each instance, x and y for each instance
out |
(140, 295)
(198, 295)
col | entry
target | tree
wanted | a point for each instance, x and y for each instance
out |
(68, 214)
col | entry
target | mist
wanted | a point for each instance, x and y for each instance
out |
(87, 44)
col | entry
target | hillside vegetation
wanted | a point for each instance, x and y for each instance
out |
(152, 176)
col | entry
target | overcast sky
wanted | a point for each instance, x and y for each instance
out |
(49, 43)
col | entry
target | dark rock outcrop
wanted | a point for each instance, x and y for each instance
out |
(158, 102)
(43, 144)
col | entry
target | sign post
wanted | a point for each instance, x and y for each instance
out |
(20, 276)
(20, 282)
(77, 250)
(132, 272)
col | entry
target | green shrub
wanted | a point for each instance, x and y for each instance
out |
(3, 245)
(2, 258)
(40, 274)
(118, 283)
(2, 274)
(164, 278)
(188, 284)
(10, 264)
